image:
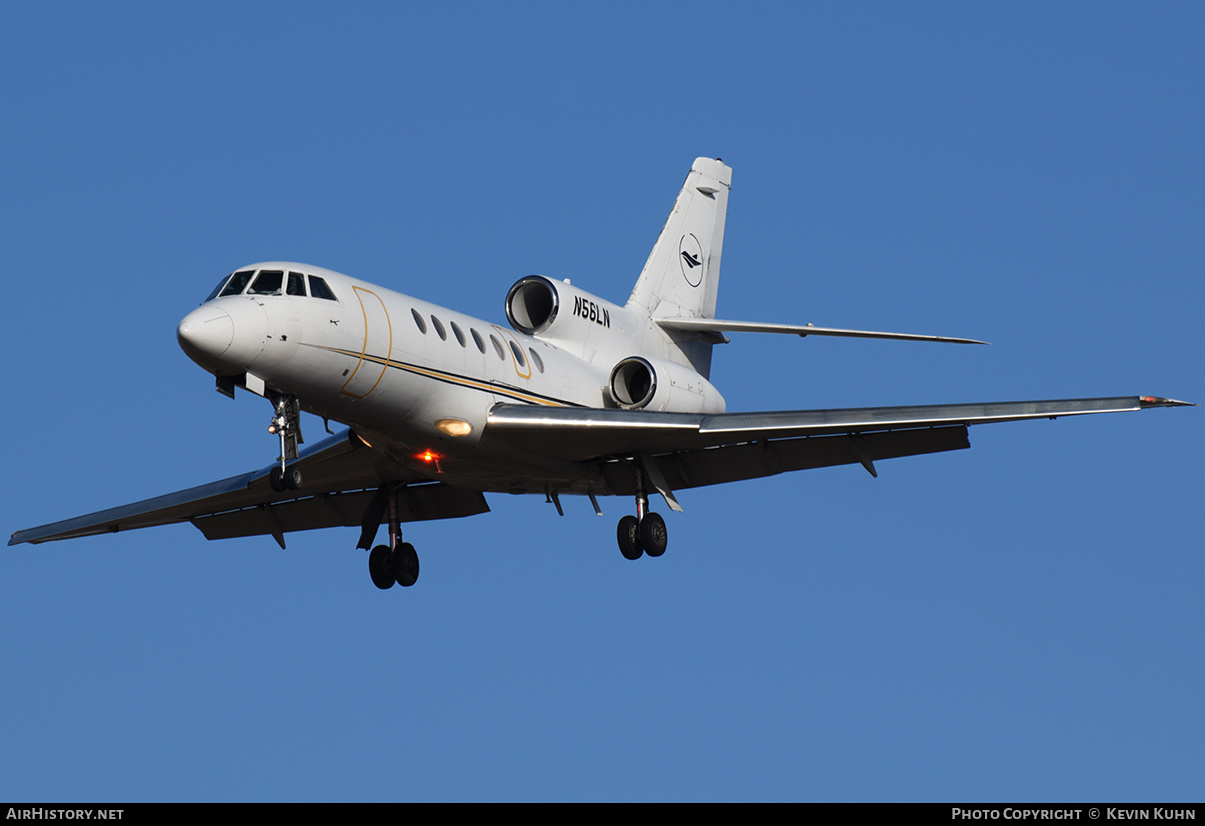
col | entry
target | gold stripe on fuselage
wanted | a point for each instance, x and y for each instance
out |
(451, 378)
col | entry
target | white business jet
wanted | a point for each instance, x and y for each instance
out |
(578, 396)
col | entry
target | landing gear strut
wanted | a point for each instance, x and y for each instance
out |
(397, 561)
(644, 533)
(286, 422)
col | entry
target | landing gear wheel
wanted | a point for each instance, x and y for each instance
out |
(653, 535)
(282, 480)
(628, 533)
(405, 565)
(380, 567)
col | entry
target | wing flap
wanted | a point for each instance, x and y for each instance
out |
(753, 460)
(332, 510)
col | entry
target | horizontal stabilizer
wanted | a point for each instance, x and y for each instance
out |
(718, 326)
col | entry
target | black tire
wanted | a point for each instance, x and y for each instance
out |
(405, 565)
(628, 534)
(293, 479)
(653, 534)
(276, 480)
(380, 567)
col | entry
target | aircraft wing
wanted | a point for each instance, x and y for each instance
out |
(692, 450)
(342, 478)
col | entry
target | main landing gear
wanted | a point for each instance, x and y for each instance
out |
(644, 533)
(388, 565)
(286, 422)
(397, 561)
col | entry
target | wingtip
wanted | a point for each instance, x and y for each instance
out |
(1159, 401)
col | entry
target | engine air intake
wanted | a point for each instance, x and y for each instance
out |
(633, 383)
(531, 304)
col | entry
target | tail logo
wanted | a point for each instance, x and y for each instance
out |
(690, 257)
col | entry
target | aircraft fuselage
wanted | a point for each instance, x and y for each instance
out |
(414, 379)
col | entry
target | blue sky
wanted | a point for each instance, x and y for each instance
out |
(1018, 621)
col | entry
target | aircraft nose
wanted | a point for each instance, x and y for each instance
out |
(227, 338)
(205, 333)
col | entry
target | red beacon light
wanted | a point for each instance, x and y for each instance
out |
(429, 457)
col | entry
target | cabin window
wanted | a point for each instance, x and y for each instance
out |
(536, 360)
(497, 347)
(456, 331)
(418, 319)
(439, 328)
(518, 351)
(238, 283)
(477, 340)
(319, 289)
(296, 284)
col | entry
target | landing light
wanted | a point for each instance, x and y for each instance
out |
(453, 427)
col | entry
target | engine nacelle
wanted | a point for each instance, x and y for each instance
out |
(558, 311)
(532, 304)
(638, 383)
(536, 304)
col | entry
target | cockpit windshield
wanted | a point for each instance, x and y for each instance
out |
(237, 283)
(268, 283)
(217, 289)
(296, 284)
(271, 282)
(319, 289)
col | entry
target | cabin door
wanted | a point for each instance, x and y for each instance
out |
(378, 345)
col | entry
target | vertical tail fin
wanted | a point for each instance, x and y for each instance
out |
(681, 276)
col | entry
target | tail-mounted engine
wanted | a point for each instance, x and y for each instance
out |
(603, 333)
(638, 383)
(532, 304)
(536, 304)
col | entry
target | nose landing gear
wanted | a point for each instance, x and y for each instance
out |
(286, 422)
(282, 479)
